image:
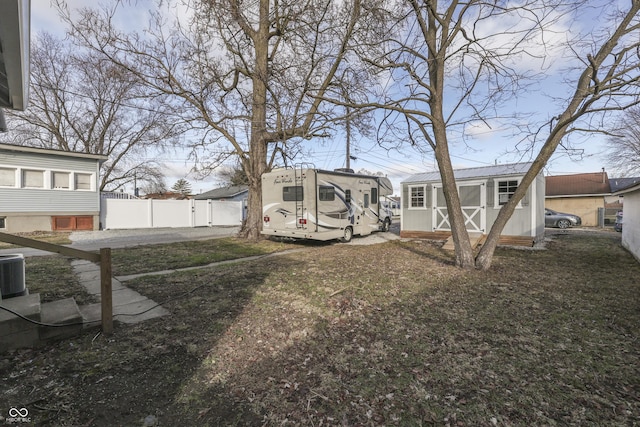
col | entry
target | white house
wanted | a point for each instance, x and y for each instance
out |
(631, 221)
(482, 191)
(43, 189)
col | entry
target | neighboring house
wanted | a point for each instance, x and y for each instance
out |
(579, 194)
(482, 192)
(43, 190)
(235, 193)
(614, 203)
(631, 221)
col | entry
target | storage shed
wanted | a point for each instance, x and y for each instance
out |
(482, 191)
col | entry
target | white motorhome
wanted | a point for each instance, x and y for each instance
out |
(309, 203)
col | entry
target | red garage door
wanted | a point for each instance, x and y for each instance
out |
(71, 223)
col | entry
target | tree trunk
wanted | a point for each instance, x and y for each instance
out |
(462, 244)
(437, 60)
(578, 106)
(257, 162)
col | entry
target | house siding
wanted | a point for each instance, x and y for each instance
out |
(631, 223)
(24, 200)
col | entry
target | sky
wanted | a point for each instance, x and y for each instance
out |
(486, 146)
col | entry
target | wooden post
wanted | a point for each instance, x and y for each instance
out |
(106, 295)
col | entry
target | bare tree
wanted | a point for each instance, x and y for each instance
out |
(250, 76)
(458, 61)
(81, 102)
(623, 149)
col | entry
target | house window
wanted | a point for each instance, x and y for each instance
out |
(3, 222)
(417, 197)
(60, 180)
(326, 193)
(7, 177)
(83, 181)
(506, 190)
(292, 194)
(32, 178)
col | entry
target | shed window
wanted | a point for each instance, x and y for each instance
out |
(417, 197)
(326, 193)
(32, 179)
(60, 180)
(83, 181)
(7, 177)
(506, 190)
(292, 194)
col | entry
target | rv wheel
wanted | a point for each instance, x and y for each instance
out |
(348, 234)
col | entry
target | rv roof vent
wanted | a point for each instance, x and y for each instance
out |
(346, 170)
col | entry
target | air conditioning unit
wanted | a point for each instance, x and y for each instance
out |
(12, 276)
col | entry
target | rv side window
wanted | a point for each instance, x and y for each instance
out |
(374, 196)
(326, 193)
(347, 196)
(292, 194)
(366, 200)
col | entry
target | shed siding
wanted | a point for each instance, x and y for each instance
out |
(526, 221)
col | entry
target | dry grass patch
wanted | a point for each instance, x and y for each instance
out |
(149, 258)
(390, 334)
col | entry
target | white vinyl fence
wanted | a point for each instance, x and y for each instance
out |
(150, 213)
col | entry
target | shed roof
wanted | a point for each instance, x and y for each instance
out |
(581, 184)
(223, 192)
(511, 169)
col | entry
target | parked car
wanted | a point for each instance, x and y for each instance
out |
(618, 224)
(560, 219)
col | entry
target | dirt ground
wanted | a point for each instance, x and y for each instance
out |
(359, 335)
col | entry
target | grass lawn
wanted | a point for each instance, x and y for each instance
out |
(389, 334)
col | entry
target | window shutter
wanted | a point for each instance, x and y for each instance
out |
(405, 196)
(490, 186)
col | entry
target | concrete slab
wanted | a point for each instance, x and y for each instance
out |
(26, 305)
(16, 332)
(125, 296)
(94, 286)
(129, 313)
(91, 315)
(60, 312)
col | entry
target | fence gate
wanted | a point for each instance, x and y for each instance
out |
(473, 199)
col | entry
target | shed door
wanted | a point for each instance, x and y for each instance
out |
(473, 200)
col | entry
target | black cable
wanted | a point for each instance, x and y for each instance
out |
(52, 325)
